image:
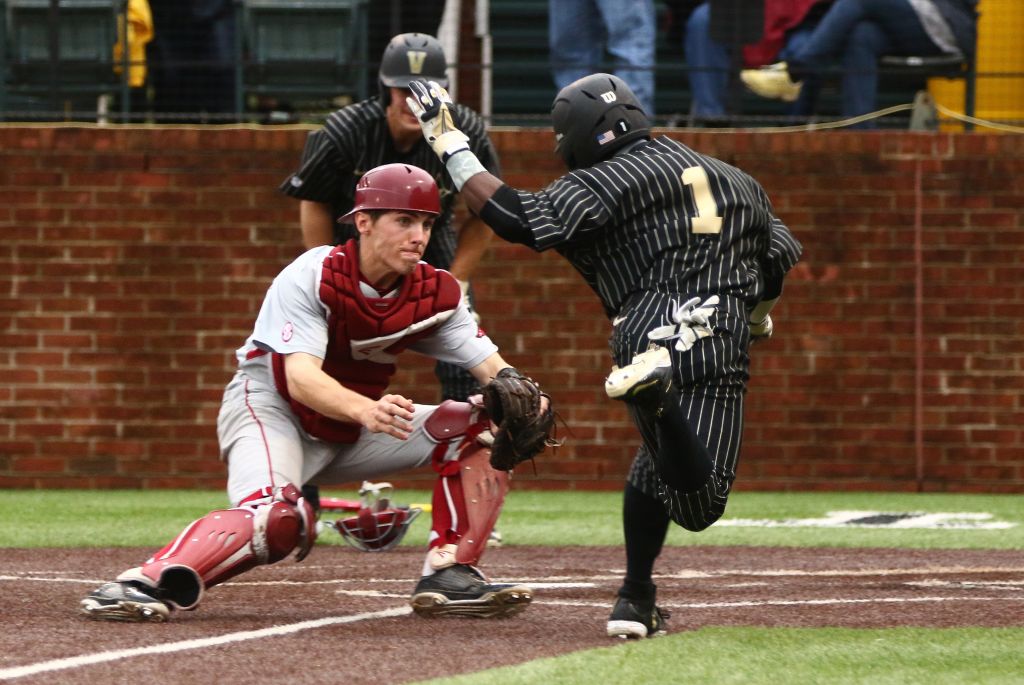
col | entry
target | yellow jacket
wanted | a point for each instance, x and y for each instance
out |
(140, 32)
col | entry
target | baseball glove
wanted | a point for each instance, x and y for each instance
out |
(513, 402)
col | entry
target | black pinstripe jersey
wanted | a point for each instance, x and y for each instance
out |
(356, 139)
(662, 217)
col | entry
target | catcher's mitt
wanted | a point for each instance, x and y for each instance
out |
(513, 402)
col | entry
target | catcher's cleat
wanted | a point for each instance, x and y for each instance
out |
(123, 601)
(636, 619)
(644, 379)
(461, 590)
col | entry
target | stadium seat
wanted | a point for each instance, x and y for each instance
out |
(301, 50)
(938, 66)
(62, 63)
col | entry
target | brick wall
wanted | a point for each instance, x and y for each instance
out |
(133, 261)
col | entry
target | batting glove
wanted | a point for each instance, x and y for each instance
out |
(692, 322)
(429, 102)
(760, 320)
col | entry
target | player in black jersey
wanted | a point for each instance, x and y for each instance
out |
(688, 259)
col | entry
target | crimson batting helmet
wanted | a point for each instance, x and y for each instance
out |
(398, 187)
(595, 116)
(412, 56)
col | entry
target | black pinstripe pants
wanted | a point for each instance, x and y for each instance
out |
(710, 382)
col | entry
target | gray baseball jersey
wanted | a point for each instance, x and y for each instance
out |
(261, 438)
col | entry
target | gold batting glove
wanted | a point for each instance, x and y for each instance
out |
(429, 102)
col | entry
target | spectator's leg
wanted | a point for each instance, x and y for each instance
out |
(806, 104)
(575, 38)
(867, 43)
(632, 35)
(830, 38)
(707, 63)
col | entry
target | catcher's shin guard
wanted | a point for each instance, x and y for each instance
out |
(469, 493)
(227, 542)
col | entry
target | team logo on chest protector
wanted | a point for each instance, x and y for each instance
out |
(375, 349)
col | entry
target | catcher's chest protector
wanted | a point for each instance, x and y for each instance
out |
(365, 334)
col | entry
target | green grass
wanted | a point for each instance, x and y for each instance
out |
(770, 656)
(75, 518)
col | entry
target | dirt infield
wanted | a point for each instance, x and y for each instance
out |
(341, 617)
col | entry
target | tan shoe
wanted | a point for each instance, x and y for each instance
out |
(772, 82)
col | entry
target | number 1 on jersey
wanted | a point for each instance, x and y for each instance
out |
(707, 219)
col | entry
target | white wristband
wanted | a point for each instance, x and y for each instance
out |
(462, 166)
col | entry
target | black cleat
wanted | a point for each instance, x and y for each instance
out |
(461, 590)
(125, 601)
(636, 619)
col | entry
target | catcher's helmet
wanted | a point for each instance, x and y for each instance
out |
(595, 116)
(411, 56)
(376, 531)
(395, 186)
(378, 526)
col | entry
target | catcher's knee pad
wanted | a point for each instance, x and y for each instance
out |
(227, 542)
(469, 494)
(458, 421)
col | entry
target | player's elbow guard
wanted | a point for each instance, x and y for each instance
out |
(503, 212)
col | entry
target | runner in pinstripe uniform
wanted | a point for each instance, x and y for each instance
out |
(378, 131)
(688, 259)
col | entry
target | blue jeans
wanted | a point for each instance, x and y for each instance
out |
(856, 33)
(581, 30)
(709, 64)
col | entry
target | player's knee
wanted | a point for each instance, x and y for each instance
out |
(287, 523)
(279, 526)
(451, 420)
(692, 511)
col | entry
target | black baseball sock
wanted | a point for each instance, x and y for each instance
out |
(683, 461)
(644, 523)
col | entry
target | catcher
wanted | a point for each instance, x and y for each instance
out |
(309, 403)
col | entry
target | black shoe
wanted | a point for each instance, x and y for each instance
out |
(636, 619)
(124, 601)
(461, 590)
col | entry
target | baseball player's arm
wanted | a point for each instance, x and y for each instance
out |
(308, 384)
(317, 224)
(483, 192)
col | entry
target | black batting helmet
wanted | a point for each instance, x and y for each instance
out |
(595, 116)
(412, 56)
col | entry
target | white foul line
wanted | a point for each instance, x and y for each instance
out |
(275, 631)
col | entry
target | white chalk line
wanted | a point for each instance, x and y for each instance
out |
(184, 645)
